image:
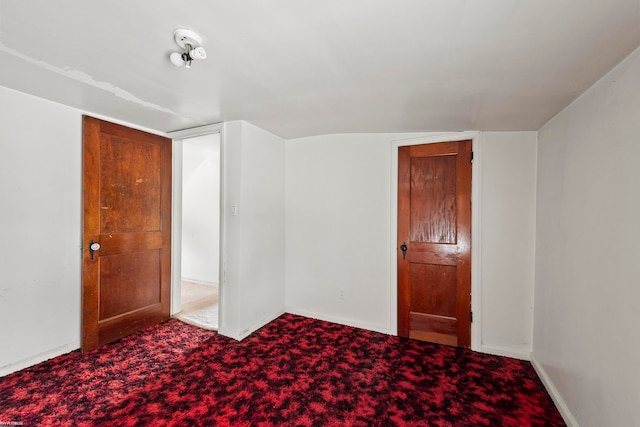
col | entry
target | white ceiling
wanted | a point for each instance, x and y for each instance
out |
(308, 67)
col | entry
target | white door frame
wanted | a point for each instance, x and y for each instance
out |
(176, 214)
(476, 235)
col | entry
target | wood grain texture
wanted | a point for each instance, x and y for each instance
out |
(432, 253)
(434, 218)
(127, 209)
(463, 197)
(433, 289)
(128, 282)
(404, 206)
(433, 199)
(90, 231)
(129, 185)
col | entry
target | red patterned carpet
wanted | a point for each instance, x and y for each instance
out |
(295, 371)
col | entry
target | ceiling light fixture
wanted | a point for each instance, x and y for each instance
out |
(191, 44)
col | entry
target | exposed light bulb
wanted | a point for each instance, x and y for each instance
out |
(191, 43)
(198, 53)
(176, 59)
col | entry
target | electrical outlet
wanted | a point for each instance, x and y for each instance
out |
(341, 294)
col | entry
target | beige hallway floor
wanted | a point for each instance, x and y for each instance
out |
(199, 305)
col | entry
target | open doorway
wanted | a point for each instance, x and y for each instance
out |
(200, 231)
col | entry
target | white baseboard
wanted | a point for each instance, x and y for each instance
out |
(38, 358)
(199, 282)
(555, 395)
(341, 321)
(240, 335)
(515, 353)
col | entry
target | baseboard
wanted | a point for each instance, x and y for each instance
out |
(553, 392)
(506, 352)
(38, 358)
(340, 321)
(239, 335)
(199, 282)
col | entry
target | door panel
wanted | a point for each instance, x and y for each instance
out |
(127, 206)
(129, 282)
(127, 210)
(440, 298)
(434, 221)
(433, 199)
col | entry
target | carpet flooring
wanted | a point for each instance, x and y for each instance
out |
(295, 371)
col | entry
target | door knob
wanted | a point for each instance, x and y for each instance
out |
(404, 248)
(93, 246)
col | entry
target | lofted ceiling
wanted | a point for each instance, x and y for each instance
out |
(301, 67)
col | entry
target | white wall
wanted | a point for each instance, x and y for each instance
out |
(40, 228)
(338, 233)
(340, 227)
(508, 241)
(586, 328)
(253, 291)
(201, 209)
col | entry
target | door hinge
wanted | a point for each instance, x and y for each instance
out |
(471, 316)
(472, 157)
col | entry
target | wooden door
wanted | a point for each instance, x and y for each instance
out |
(434, 222)
(126, 283)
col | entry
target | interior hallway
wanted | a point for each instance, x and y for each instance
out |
(199, 305)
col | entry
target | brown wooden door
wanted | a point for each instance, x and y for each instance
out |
(434, 222)
(126, 284)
